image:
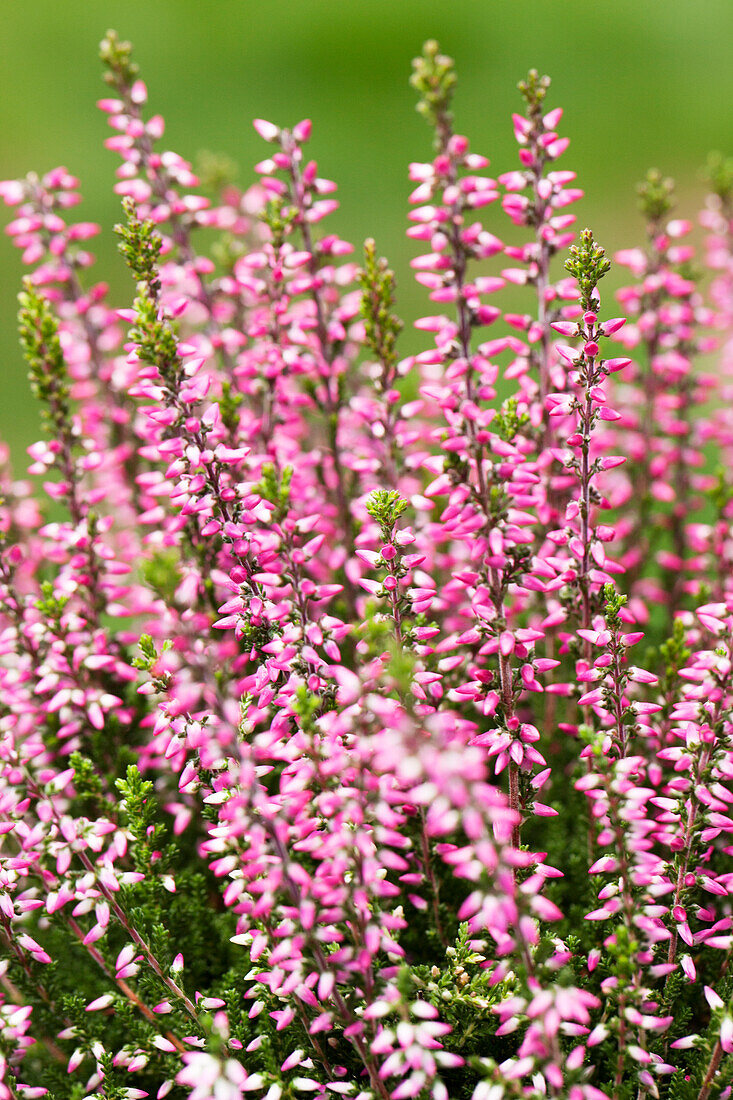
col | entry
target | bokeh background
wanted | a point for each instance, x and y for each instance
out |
(643, 83)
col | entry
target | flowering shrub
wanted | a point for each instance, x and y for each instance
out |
(366, 721)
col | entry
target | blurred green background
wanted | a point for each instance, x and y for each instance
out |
(643, 83)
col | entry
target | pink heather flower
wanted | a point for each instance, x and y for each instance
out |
(361, 621)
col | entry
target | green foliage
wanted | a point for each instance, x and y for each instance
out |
(139, 808)
(401, 667)
(156, 340)
(117, 58)
(140, 244)
(50, 605)
(719, 174)
(88, 785)
(280, 218)
(230, 403)
(434, 79)
(508, 422)
(386, 506)
(226, 250)
(216, 171)
(154, 333)
(161, 572)
(39, 339)
(462, 990)
(614, 602)
(676, 1002)
(149, 658)
(587, 263)
(721, 494)
(167, 913)
(382, 327)
(656, 198)
(275, 488)
(622, 948)
(456, 467)
(565, 839)
(534, 89)
(674, 654)
(307, 706)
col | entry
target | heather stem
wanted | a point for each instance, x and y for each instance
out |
(514, 800)
(477, 451)
(135, 936)
(584, 507)
(122, 985)
(121, 916)
(333, 403)
(432, 880)
(588, 264)
(713, 1065)
(396, 613)
(13, 947)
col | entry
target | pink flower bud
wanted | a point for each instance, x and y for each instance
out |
(267, 130)
(302, 130)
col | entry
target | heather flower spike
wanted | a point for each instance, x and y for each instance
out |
(366, 722)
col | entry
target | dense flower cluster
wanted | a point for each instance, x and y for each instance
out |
(325, 763)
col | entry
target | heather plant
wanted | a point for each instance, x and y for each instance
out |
(365, 724)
